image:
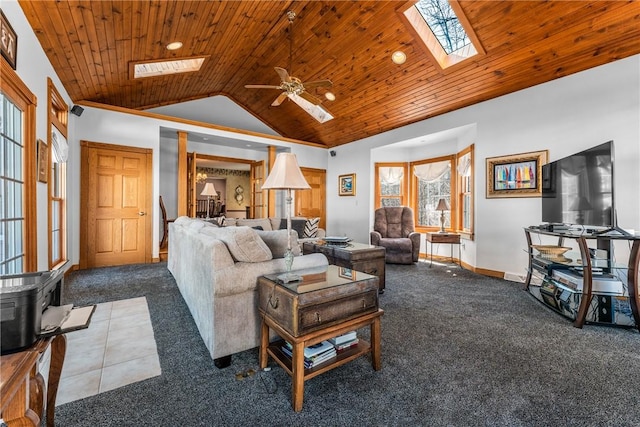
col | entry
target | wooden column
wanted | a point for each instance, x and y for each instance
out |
(182, 173)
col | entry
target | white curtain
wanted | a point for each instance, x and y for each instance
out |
(391, 175)
(464, 165)
(60, 147)
(431, 171)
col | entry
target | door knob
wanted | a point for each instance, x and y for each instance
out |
(142, 213)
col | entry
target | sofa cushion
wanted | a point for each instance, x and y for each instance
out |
(276, 240)
(256, 222)
(311, 228)
(243, 243)
(182, 220)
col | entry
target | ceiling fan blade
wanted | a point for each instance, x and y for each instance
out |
(318, 112)
(284, 75)
(312, 99)
(279, 100)
(262, 87)
(318, 83)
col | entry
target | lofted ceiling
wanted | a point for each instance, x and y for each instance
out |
(92, 44)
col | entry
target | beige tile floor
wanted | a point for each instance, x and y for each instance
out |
(117, 349)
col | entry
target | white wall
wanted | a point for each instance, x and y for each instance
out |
(218, 110)
(110, 127)
(563, 116)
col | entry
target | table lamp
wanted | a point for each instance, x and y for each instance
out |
(209, 190)
(286, 175)
(443, 205)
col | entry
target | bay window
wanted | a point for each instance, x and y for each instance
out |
(421, 184)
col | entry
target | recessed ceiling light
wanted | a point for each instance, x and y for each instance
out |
(398, 57)
(330, 96)
(174, 45)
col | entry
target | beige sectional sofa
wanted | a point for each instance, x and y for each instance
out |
(216, 270)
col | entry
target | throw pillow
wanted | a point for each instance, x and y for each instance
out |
(220, 220)
(243, 243)
(277, 242)
(296, 224)
(311, 228)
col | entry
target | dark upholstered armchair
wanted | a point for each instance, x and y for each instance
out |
(393, 229)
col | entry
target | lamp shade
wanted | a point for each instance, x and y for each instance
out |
(286, 174)
(209, 190)
(443, 205)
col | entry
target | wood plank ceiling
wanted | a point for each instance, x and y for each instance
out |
(92, 43)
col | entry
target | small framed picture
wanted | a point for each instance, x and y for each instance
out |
(346, 273)
(516, 175)
(43, 161)
(347, 185)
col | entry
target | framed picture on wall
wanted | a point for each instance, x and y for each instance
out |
(516, 175)
(347, 185)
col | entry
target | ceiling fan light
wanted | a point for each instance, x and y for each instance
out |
(330, 96)
(174, 45)
(398, 57)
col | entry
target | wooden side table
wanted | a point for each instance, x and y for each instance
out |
(447, 238)
(22, 387)
(329, 301)
(295, 366)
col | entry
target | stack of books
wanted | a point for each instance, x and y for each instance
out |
(313, 355)
(345, 341)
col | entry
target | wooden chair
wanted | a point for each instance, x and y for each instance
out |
(165, 226)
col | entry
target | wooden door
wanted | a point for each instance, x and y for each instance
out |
(258, 207)
(311, 203)
(191, 184)
(116, 210)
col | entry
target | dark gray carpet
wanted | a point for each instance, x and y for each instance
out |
(464, 350)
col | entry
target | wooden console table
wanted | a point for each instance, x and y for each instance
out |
(447, 238)
(22, 387)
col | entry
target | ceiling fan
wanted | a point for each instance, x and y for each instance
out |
(294, 89)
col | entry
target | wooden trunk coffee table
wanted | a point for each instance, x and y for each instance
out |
(357, 256)
(311, 311)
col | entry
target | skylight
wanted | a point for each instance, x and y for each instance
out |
(162, 68)
(444, 24)
(445, 31)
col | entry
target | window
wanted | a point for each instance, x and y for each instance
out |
(445, 31)
(58, 116)
(464, 170)
(391, 184)
(433, 181)
(18, 237)
(449, 178)
(11, 189)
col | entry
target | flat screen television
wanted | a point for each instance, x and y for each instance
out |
(578, 189)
